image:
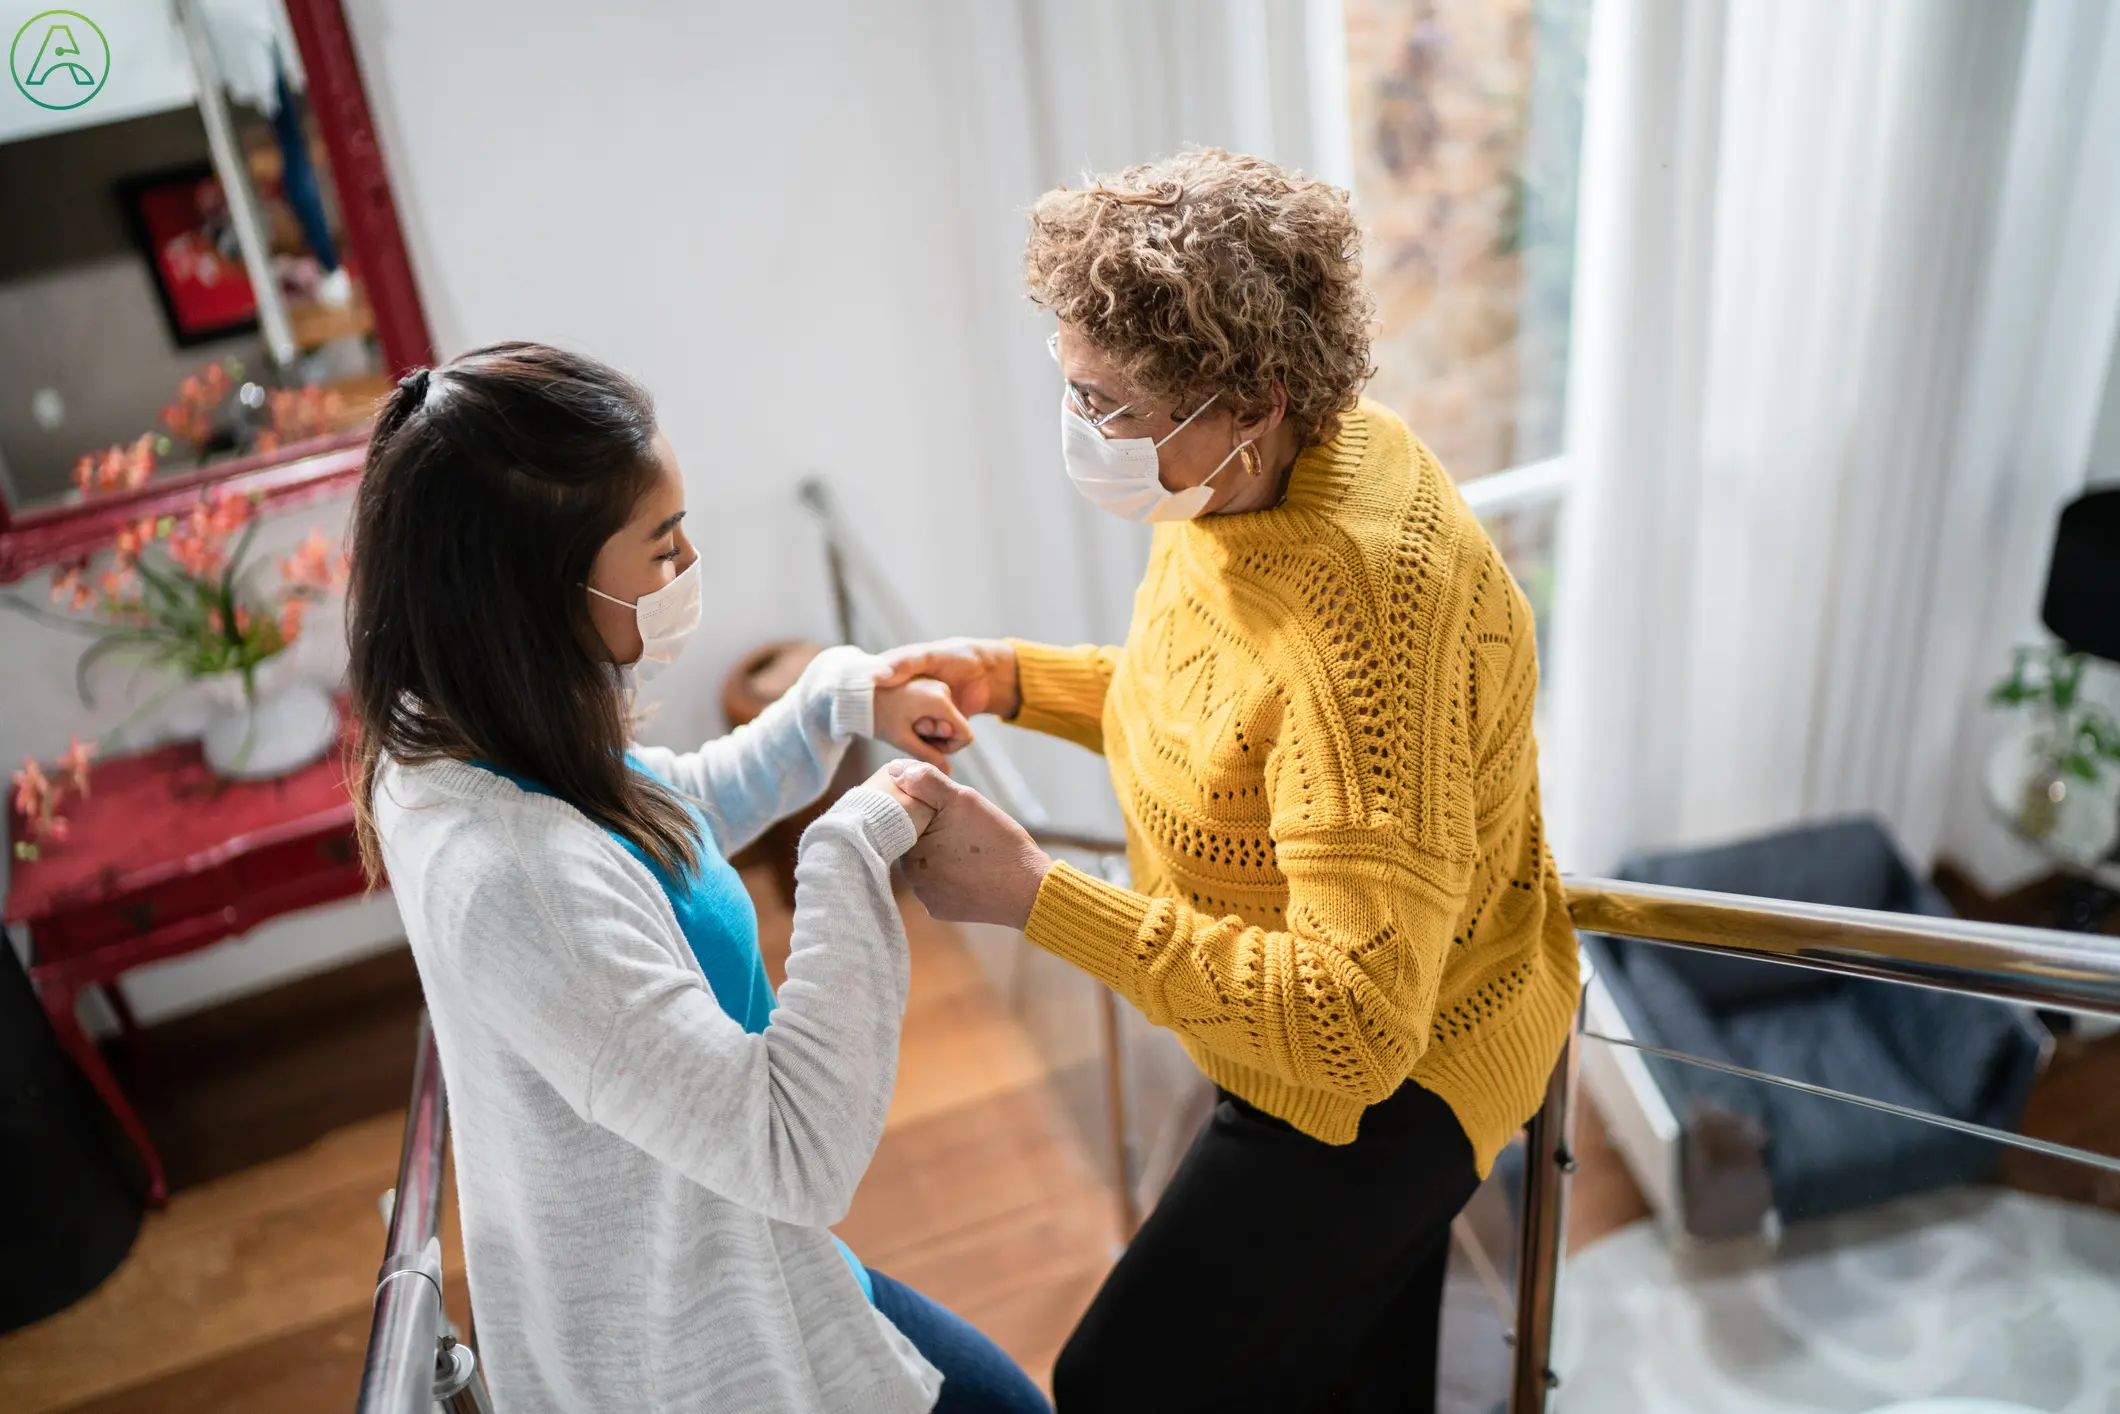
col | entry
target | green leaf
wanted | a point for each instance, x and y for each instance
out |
(116, 642)
(45, 616)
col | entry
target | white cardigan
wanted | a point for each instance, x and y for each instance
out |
(645, 1187)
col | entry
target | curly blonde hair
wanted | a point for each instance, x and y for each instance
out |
(1211, 273)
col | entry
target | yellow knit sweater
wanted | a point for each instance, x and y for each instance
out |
(1319, 729)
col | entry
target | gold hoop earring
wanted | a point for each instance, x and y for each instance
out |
(1253, 462)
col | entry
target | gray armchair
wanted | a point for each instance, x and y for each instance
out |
(1748, 1149)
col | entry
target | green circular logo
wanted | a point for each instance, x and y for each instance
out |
(59, 59)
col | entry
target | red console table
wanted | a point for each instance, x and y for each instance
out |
(165, 858)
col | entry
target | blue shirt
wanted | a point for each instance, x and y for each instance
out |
(714, 913)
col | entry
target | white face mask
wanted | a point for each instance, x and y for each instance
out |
(666, 618)
(1124, 475)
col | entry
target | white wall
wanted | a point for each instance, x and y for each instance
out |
(747, 215)
(800, 225)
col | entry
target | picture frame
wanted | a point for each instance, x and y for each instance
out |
(179, 221)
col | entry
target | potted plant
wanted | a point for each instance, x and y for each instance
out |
(2056, 780)
(185, 594)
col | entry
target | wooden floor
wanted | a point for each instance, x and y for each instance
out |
(280, 1117)
(250, 1293)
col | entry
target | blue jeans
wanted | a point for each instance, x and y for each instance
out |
(977, 1378)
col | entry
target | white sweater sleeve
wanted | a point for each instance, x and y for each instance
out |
(784, 1121)
(782, 761)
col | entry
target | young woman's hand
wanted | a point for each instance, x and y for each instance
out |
(973, 864)
(980, 672)
(886, 780)
(919, 718)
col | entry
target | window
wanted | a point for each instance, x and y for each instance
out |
(1466, 117)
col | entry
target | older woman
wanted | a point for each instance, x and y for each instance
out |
(1319, 729)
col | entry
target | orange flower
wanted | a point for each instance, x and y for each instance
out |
(32, 790)
(116, 583)
(66, 580)
(291, 620)
(242, 621)
(298, 413)
(135, 538)
(117, 468)
(198, 553)
(138, 462)
(74, 761)
(191, 415)
(227, 511)
(313, 565)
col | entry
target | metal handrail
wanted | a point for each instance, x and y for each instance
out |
(414, 1361)
(2030, 966)
(2036, 966)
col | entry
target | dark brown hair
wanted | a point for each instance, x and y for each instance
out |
(491, 483)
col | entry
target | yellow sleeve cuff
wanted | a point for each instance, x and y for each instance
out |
(1063, 691)
(1094, 925)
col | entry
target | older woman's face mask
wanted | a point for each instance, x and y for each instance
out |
(1124, 475)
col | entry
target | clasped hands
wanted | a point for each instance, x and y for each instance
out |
(972, 864)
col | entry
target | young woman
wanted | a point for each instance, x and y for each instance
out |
(650, 1145)
(1319, 730)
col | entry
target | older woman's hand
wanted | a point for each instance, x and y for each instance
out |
(981, 672)
(973, 864)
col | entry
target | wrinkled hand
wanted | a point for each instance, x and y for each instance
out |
(920, 718)
(974, 864)
(887, 780)
(980, 672)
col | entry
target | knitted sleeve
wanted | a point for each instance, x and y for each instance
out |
(1063, 690)
(1341, 999)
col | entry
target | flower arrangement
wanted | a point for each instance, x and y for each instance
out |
(181, 591)
(184, 593)
(38, 796)
(202, 421)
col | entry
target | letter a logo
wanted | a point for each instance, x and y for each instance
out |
(59, 59)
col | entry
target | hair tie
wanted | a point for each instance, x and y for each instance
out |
(415, 383)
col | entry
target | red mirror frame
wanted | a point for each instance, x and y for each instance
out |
(49, 535)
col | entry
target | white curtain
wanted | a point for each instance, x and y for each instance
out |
(1045, 91)
(1847, 283)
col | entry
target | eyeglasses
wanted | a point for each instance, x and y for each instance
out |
(1080, 404)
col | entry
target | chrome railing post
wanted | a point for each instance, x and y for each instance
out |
(1549, 1158)
(1115, 1115)
(413, 1361)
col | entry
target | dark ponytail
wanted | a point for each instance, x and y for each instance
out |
(491, 483)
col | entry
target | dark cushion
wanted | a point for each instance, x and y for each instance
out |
(1661, 1010)
(1978, 1056)
(1829, 1156)
(1850, 863)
